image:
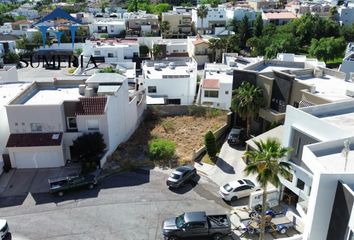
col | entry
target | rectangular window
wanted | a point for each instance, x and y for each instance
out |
(211, 94)
(71, 121)
(226, 92)
(300, 184)
(296, 104)
(97, 53)
(36, 127)
(93, 125)
(152, 89)
(110, 55)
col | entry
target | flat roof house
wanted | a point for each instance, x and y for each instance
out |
(322, 179)
(173, 81)
(46, 117)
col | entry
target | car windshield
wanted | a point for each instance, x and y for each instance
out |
(249, 182)
(227, 187)
(233, 135)
(180, 221)
(175, 176)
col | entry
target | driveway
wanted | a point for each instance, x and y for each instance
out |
(19, 182)
(125, 206)
(229, 166)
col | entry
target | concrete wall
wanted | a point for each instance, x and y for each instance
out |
(81, 121)
(8, 74)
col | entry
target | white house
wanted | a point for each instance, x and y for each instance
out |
(172, 47)
(7, 46)
(347, 65)
(322, 173)
(346, 15)
(215, 18)
(112, 27)
(111, 50)
(173, 81)
(44, 140)
(6, 28)
(238, 13)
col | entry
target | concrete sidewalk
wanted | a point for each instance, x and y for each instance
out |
(229, 166)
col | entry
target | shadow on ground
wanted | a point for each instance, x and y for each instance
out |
(126, 179)
(187, 187)
(224, 166)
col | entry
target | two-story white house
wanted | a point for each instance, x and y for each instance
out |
(46, 117)
(112, 27)
(216, 18)
(173, 81)
(111, 50)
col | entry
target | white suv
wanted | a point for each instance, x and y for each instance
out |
(238, 189)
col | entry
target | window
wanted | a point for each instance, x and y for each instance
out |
(296, 104)
(16, 124)
(300, 184)
(152, 89)
(110, 55)
(71, 121)
(226, 92)
(298, 146)
(36, 127)
(97, 53)
(242, 188)
(193, 225)
(93, 125)
(211, 94)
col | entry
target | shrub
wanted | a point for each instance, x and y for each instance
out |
(144, 50)
(213, 112)
(168, 125)
(161, 149)
(210, 144)
(71, 70)
(196, 111)
(107, 70)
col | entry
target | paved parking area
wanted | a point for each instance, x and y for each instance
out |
(124, 206)
(18, 182)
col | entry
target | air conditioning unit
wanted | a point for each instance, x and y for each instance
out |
(229, 71)
(157, 66)
(232, 64)
(349, 93)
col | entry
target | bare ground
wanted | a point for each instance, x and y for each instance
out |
(186, 131)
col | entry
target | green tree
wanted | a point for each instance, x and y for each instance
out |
(18, 18)
(210, 144)
(157, 51)
(246, 102)
(89, 147)
(160, 8)
(144, 50)
(258, 26)
(327, 48)
(202, 12)
(78, 51)
(333, 13)
(11, 57)
(265, 162)
(245, 31)
(165, 28)
(213, 3)
(215, 47)
(161, 149)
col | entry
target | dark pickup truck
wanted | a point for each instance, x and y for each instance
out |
(196, 224)
(59, 185)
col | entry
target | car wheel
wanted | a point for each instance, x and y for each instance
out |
(217, 236)
(283, 230)
(61, 193)
(234, 198)
(91, 186)
(173, 238)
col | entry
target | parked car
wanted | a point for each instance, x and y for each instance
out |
(196, 224)
(181, 176)
(72, 181)
(4, 228)
(238, 189)
(236, 136)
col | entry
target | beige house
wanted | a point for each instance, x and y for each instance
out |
(141, 24)
(262, 4)
(198, 48)
(180, 23)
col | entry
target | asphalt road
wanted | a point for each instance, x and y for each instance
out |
(123, 207)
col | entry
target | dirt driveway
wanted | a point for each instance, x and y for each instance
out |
(19, 182)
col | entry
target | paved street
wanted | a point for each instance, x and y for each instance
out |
(125, 206)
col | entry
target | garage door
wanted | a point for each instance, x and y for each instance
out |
(44, 159)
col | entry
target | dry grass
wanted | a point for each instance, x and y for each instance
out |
(186, 131)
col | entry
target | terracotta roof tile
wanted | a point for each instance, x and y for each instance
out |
(199, 41)
(91, 106)
(34, 139)
(280, 15)
(211, 83)
(21, 22)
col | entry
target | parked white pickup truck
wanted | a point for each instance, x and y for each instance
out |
(4, 228)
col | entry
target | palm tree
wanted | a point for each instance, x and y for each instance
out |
(246, 102)
(265, 162)
(202, 12)
(214, 46)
